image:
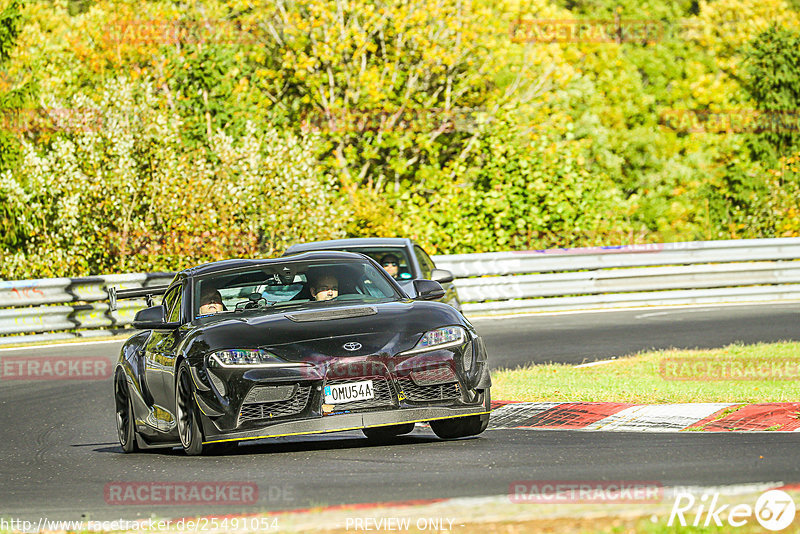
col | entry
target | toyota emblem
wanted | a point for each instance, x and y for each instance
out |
(353, 345)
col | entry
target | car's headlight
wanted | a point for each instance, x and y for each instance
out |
(441, 338)
(244, 358)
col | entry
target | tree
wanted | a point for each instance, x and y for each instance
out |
(773, 82)
(11, 100)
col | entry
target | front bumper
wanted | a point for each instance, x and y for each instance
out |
(277, 401)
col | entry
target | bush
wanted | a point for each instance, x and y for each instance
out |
(117, 190)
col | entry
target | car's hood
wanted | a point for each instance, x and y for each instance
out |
(322, 331)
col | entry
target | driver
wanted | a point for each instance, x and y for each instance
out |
(391, 263)
(210, 302)
(326, 287)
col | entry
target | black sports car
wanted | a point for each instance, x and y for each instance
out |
(311, 343)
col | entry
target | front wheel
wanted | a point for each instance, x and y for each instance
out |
(188, 414)
(461, 427)
(124, 409)
(381, 433)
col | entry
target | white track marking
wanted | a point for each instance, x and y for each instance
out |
(511, 413)
(676, 307)
(657, 417)
(599, 362)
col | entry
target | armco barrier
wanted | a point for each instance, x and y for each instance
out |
(552, 260)
(698, 272)
(80, 305)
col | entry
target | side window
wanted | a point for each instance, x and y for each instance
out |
(172, 303)
(425, 262)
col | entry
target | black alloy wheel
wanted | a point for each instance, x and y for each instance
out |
(124, 410)
(187, 413)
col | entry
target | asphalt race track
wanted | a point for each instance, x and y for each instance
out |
(586, 337)
(60, 454)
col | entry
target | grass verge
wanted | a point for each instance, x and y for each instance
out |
(736, 373)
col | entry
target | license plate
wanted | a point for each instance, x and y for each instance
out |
(354, 391)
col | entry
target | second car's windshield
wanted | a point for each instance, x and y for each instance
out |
(286, 284)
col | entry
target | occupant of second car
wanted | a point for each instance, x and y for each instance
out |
(391, 263)
(211, 302)
(326, 287)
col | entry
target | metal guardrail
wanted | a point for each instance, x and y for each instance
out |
(81, 303)
(686, 253)
(696, 272)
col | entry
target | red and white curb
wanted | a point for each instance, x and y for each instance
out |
(623, 417)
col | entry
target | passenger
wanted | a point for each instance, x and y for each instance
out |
(326, 287)
(210, 302)
(391, 263)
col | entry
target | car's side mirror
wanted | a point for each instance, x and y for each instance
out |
(428, 290)
(153, 317)
(442, 276)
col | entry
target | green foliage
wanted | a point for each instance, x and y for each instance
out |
(393, 87)
(517, 192)
(233, 128)
(784, 185)
(11, 100)
(773, 69)
(122, 192)
(10, 21)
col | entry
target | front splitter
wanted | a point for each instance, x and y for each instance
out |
(345, 422)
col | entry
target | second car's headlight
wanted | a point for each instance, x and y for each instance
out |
(441, 338)
(244, 358)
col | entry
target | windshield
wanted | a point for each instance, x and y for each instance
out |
(283, 285)
(392, 258)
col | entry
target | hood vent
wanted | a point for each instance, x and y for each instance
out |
(329, 315)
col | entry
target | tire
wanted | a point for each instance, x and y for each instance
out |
(126, 432)
(382, 433)
(461, 427)
(188, 414)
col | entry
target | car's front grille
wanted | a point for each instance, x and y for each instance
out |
(254, 411)
(259, 394)
(429, 377)
(382, 390)
(437, 392)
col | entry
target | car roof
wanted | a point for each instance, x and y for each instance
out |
(226, 265)
(353, 242)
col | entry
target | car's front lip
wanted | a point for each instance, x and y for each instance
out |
(352, 421)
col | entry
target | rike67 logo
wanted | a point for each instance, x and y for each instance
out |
(774, 510)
